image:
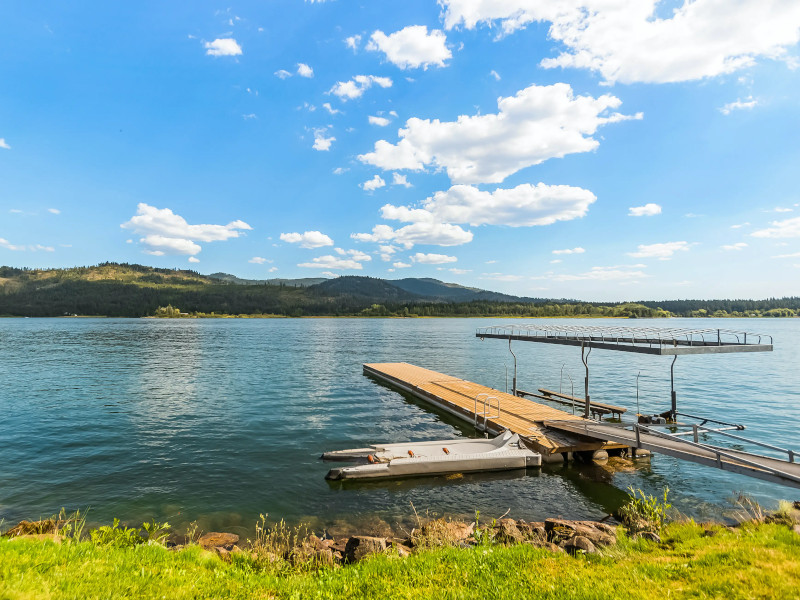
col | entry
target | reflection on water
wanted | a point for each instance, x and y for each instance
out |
(218, 421)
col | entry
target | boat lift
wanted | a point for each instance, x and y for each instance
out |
(650, 432)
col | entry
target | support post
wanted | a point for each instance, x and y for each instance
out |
(585, 359)
(514, 381)
(674, 411)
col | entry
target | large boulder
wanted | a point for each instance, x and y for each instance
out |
(360, 546)
(578, 545)
(507, 532)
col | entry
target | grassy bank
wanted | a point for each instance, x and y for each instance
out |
(692, 561)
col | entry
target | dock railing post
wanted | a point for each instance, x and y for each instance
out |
(513, 381)
(674, 397)
(588, 405)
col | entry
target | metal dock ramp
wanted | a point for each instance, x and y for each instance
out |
(774, 470)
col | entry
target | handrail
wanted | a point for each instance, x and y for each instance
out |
(485, 414)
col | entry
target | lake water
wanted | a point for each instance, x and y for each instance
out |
(217, 421)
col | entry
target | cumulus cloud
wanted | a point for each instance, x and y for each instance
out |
(304, 70)
(433, 259)
(354, 254)
(648, 210)
(738, 105)
(4, 144)
(379, 121)
(789, 228)
(523, 206)
(538, 123)
(332, 263)
(308, 239)
(401, 265)
(373, 184)
(577, 250)
(193, 259)
(736, 246)
(327, 106)
(412, 47)
(322, 143)
(630, 42)
(662, 251)
(352, 42)
(282, 74)
(54, 211)
(259, 260)
(422, 232)
(4, 243)
(460, 271)
(223, 47)
(355, 88)
(398, 179)
(164, 232)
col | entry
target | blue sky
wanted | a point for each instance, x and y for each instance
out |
(593, 149)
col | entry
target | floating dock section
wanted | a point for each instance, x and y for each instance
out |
(494, 411)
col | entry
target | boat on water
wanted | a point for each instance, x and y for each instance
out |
(440, 457)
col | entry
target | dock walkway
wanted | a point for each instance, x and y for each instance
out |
(518, 415)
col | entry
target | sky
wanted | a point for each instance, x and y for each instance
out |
(592, 149)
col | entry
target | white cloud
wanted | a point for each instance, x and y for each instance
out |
(282, 73)
(308, 239)
(433, 259)
(460, 271)
(4, 144)
(790, 228)
(192, 259)
(556, 261)
(660, 251)
(432, 233)
(628, 42)
(159, 245)
(331, 262)
(164, 232)
(616, 273)
(354, 254)
(577, 250)
(523, 206)
(327, 106)
(782, 209)
(352, 42)
(412, 47)
(322, 143)
(538, 123)
(495, 74)
(648, 210)
(398, 179)
(373, 184)
(340, 170)
(355, 88)
(738, 105)
(792, 255)
(4, 243)
(379, 121)
(736, 246)
(223, 47)
(249, 116)
(740, 225)
(304, 70)
(54, 211)
(401, 265)
(259, 260)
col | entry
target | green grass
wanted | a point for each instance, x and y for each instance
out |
(755, 561)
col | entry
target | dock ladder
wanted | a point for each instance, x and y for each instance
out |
(485, 400)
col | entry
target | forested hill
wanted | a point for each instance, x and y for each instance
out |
(126, 290)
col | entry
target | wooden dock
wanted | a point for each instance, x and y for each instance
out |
(458, 397)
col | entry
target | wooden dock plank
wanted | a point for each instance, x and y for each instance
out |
(518, 415)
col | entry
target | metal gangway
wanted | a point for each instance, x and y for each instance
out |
(667, 434)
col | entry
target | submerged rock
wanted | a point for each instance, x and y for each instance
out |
(216, 539)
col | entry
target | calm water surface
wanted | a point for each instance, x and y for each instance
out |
(220, 420)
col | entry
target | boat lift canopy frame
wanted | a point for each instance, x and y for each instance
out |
(661, 341)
